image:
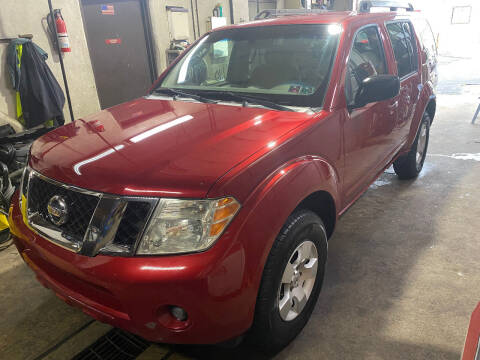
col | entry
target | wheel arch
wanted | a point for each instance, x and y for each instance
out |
(321, 203)
(427, 104)
(308, 182)
(431, 107)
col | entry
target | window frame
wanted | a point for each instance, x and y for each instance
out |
(414, 33)
(363, 27)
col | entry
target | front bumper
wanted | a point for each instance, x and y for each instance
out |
(135, 293)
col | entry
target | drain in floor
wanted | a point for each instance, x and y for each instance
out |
(115, 344)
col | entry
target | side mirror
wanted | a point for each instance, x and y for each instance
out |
(377, 88)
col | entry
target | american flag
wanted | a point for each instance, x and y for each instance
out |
(108, 9)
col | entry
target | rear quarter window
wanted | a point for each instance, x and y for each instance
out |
(426, 37)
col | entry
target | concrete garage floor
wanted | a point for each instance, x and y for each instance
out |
(403, 269)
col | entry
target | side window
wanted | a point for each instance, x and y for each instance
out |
(411, 44)
(367, 58)
(425, 34)
(404, 47)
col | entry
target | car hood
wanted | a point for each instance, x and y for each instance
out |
(157, 147)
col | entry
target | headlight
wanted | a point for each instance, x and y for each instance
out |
(180, 226)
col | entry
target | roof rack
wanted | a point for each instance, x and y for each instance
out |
(366, 5)
(273, 13)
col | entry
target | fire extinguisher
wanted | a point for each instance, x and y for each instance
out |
(62, 34)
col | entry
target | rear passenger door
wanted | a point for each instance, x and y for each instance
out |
(404, 46)
(368, 144)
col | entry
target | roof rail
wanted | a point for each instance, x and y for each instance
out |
(273, 13)
(366, 5)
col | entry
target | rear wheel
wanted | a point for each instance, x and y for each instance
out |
(291, 282)
(410, 165)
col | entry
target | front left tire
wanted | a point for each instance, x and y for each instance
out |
(291, 282)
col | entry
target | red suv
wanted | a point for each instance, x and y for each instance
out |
(202, 211)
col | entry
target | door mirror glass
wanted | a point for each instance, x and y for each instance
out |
(377, 88)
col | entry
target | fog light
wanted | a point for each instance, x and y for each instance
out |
(178, 313)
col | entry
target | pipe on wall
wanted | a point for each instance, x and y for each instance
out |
(198, 21)
(193, 23)
(232, 20)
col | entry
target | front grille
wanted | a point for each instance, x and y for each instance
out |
(133, 221)
(90, 216)
(81, 206)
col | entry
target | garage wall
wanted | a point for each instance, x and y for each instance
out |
(205, 8)
(25, 17)
(344, 5)
(459, 40)
(240, 9)
(160, 29)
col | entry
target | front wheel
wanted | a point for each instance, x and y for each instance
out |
(410, 165)
(291, 282)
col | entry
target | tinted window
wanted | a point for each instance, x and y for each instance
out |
(404, 47)
(367, 58)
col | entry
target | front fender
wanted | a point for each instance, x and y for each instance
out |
(269, 205)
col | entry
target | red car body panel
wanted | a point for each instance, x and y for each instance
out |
(471, 350)
(207, 141)
(268, 160)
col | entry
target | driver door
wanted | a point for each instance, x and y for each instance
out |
(367, 130)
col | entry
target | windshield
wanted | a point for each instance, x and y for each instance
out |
(288, 64)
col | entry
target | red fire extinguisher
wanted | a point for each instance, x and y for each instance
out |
(62, 33)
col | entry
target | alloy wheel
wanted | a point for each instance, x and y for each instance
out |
(298, 280)
(421, 145)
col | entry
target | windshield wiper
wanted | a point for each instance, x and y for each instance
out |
(178, 93)
(245, 99)
(253, 100)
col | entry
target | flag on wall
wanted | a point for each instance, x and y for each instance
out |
(108, 9)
